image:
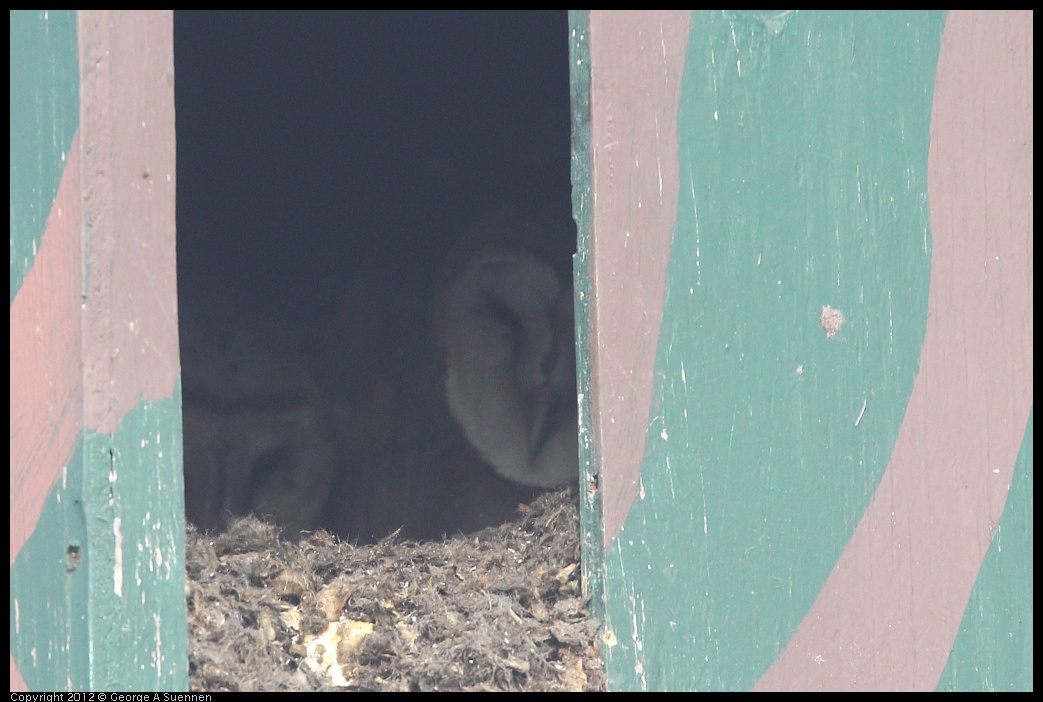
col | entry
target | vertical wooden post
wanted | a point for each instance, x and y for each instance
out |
(97, 506)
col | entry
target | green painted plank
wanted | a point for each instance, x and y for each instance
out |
(44, 117)
(97, 548)
(49, 591)
(48, 586)
(579, 69)
(133, 481)
(796, 193)
(993, 650)
(136, 547)
(104, 619)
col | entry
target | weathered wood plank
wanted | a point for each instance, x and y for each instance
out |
(801, 489)
(97, 509)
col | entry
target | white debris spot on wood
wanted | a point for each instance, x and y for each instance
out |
(832, 320)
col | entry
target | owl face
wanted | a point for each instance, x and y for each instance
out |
(257, 433)
(509, 352)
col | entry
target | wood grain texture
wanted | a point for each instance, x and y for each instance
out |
(919, 547)
(97, 510)
(842, 378)
(636, 59)
(46, 382)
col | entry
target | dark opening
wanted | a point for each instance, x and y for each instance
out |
(339, 173)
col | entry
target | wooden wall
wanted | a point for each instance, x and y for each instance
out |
(805, 349)
(97, 508)
(806, 270)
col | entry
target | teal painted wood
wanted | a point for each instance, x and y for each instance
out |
(97, 510)
(794, 325)
(48, 605)
(102, 608)
(796, 194)
(133, 501)
(993, 651)
(50, 592)
(44, 116)
(579, 62)
(133, 494)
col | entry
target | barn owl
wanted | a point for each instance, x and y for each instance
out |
(275, 462)
(510, 375)
(257, 432)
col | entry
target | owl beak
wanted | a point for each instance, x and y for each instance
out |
(542, 416)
